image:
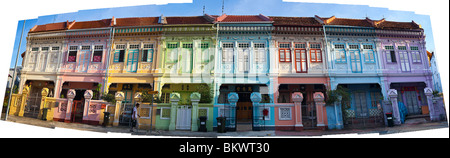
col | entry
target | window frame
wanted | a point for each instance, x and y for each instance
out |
(286, 50)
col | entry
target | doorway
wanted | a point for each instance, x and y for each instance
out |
(78, 107)
(244, 111)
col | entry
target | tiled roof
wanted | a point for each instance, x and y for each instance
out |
(142, 21)
(295, 21)
(390, 25)
(50, 27)
(243, 18)
(350, 22)
(187, 20)
(91, 24)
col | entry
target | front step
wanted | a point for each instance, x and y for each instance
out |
(417, 119)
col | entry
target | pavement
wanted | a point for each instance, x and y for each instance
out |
(409, 126)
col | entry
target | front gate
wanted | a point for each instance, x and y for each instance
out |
(125, 115)
(183, 117)
(309, 118)
(77, 111)
(33, 105)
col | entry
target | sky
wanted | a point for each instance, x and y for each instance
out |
(231, 7)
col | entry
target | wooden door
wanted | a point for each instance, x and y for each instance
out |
(77, 111)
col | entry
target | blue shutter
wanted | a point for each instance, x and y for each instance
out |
(150, 55)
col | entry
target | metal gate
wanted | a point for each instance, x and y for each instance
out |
(33, 105)
(309, 117)
(183, 117)
(125, 114)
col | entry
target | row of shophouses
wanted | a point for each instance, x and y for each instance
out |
(260, 71)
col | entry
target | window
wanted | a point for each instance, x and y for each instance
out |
(35, 49)
(204, 45)
(132, 60)
(172, 53)
(401, 47)
(339, 46)
(244, 57)
(259, 45)
(389, 47)
(98, 53)
(316, 55)
(284, 45)
(97, 56)
(355, 60)
(228, 52)
(285, 113)
(119, 56)
(85, 47)
(187, 45)
(72, 54)
(390, 57)
(44, 49)
(148, 46)
(172, 45)
(340, 53)
(367, 46)
(314, 46)
(414, 48)
(147, 55)
(121, 46)
(243, 45)
(404, 61)
(98, 47)
(205, 52)
(260, 54)
(55, 48)
(300, 61)
(165, 113)
(284, 52)
(228, 45)
(300, 45)
(134, 46)
(415, 57)
(353, 46)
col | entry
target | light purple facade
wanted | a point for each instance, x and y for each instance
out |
(404, 62)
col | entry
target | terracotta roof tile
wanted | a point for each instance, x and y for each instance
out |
(295, 21)
(187, 20)
(351, 22)
(91, 24)
(143, 21)
(50, 27)
(390, 25)
(243, 18)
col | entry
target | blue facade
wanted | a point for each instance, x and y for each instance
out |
(242, 66)
(354, 64)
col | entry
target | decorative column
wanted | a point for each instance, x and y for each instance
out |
(195, 98)
(174, 99)
(138, 99)
(393, 95)
(434, 115)
(44, 94)
(338, 113)
(87, 102)
(297, 98)
(119, 96)
(256, 98)
(24, 96)
(70, 95)
(233, 98)
(319, 100)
